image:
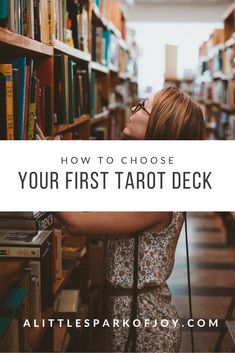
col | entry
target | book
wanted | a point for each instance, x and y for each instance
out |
(20, 65)
(44, 74)
(67, 302)
(71, 91)
(57, 254)
(61, 95)
(37, 24)
(26, 244)
(3, 119)
(16, 103)
(3, 12)
(32, 221)
(83, 28)
(7, 81)
(35, 298)
(32, 107)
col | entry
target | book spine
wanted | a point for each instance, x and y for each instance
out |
(6, 70)
(71, 91)
(51, 21)
(3, 12)
(11, 16)
(3, 108)
(57, 254)
(36, 12)
(66, 81)
(30, 14)
(26, 102)
(32, 109)
(10, 251)
(16, 103)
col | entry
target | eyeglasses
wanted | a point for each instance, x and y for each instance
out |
(139, 106)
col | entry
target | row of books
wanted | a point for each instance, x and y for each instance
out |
(100, 44)
(71, 23)
(221, 62)
(71, 90)
(113, 11)
(31, 18)
(217, 91)
(25, 96)
(220, 123)
(67, 20)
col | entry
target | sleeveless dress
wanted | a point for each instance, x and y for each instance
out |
(156, 257)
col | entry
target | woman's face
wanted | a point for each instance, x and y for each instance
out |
(137, 124)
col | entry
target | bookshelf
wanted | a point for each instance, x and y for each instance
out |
(83, 57)
(214, 88)
(75, 273)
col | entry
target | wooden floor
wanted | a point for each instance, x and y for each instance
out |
(212, 269)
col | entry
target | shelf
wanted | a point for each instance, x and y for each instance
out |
(10, 271)
(114, 106)
(114, 29)
(123, 44)
(210, 103)
(36, 334)
(220, 76)
(10, 39)
(134, 80)
(124, 75)
(113, 68)
(227, 108)
(73, 52)
(62, 128)
(101, 20)
(99, 67)
(99, 117)
(230, 42)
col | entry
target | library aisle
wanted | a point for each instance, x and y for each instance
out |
(212, 269)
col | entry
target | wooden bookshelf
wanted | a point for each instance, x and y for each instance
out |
(113, 68)
(98, 17)
(215, 87)
(99, 117)
(14, 45)
(99, 67)
(22, 45)
(72, 52)
(63, 128)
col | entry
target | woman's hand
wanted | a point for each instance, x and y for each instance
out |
(39, 133)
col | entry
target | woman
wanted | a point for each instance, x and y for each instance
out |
(141, 246)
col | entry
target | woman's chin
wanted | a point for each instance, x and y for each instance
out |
(126, 131)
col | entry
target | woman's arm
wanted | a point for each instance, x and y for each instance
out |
(108, 223)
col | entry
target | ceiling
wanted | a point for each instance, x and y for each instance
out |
(177, 10)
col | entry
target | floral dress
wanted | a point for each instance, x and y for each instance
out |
(156, 256)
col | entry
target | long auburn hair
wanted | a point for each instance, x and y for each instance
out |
(175, 116)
